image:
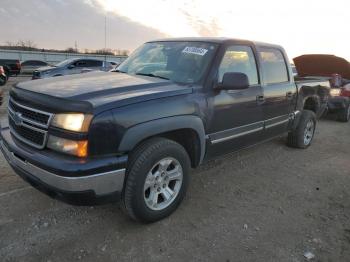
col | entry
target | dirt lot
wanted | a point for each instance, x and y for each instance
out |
(267, 203)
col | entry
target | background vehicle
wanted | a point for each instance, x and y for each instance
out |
(29, 66)
(3, 77)
(71, 67)
(336, 69)
(114, 64)
(11, 67)
(294, 70)
(3, 80)
(134, 133)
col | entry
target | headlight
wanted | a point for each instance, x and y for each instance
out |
(73, 122)
(335, 91)
(75, 148)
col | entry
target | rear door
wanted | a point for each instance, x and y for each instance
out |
(94, 64)
(237, 119)
(279, 90)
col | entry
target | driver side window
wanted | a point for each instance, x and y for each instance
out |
(239, 59)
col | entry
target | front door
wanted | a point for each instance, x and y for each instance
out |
(236, 120)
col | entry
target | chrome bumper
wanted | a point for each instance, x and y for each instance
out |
(101, 184)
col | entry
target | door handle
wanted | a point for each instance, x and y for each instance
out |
(260, 99)
(289, 94)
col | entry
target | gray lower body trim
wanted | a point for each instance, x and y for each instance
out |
(236, 132)
(101, 184)
(276, 121)
(251, 128)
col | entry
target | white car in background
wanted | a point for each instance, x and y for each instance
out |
(29, 66)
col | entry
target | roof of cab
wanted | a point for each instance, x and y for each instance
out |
(218, 40)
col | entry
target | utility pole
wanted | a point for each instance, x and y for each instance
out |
(105, 38)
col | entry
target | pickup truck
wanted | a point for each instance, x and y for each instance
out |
(3, 76)
(335, 68)
(11, 66)
(133, 134)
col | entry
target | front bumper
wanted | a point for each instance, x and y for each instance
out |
(92, 188)
(338, 103)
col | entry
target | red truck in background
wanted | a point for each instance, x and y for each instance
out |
(335, 68)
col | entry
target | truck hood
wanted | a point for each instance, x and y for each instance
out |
(322, 65)
(101, 89)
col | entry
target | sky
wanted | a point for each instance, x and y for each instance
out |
(300, 26)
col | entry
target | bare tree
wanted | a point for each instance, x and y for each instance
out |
(26, 44)
(71, 50)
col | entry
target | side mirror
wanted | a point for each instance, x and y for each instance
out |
(71, 66)
(234, 81)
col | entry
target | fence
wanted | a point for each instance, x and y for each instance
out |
(52, 57)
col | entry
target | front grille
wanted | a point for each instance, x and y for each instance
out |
(28, 125)
(30, 114)
(30, 136)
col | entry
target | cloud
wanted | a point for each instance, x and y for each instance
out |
(59, 23)
(313, 26)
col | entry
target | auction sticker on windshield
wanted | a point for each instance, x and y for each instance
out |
(195, 50)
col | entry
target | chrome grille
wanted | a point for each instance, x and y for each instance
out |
(28, 125)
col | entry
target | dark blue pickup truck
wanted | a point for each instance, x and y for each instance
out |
(133, 134)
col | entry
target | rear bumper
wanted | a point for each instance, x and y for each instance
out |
(338, 103)
(89, 189)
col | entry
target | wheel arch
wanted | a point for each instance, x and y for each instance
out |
(312, 103)
(186, 130)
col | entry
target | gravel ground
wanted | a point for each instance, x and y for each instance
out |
(266, 203)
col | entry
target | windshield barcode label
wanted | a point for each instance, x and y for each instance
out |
(195, 50)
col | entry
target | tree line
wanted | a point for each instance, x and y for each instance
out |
(28, 45)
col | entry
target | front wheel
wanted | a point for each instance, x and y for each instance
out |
(303, 134)
(157, 179)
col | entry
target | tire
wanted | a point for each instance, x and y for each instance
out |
(145, 181)
(344, 114)
(303, 134)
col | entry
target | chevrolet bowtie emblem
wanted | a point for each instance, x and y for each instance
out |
(17, 118)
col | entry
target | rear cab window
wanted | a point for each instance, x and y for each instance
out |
(239, 59)
(274, 67)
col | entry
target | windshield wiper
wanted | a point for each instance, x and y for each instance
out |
(152, 75)
(117, 70)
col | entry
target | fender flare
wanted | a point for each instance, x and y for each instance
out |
(140, 132)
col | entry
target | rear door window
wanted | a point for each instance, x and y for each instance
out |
(93, 63)
(274, 66)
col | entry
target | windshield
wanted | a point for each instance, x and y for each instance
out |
(183, 62)
(64, 62)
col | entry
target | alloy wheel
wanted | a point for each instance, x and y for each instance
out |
(163, 183)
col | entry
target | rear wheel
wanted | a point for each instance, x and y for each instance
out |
(303, 134)
(344, 114)
(156, 181)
